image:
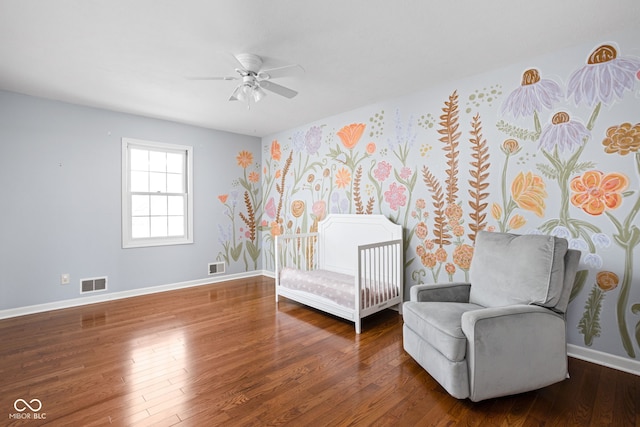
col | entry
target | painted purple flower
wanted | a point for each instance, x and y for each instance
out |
(313, 139)
(601, 240)
(533, 94)
(298, 141)
(593, 260)
(224, 236)
(395, 196)
(382, 171)
(578, 244)
(604, 78)
(561, 231)
(563, 133)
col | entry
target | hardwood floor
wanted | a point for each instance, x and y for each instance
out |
(224, 354)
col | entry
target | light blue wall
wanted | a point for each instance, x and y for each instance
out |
(60, 203)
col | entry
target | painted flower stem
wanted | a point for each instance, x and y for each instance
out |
(628, 238)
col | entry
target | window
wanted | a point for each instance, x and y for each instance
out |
(157, 194)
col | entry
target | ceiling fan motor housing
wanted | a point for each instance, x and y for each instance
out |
(250, 62)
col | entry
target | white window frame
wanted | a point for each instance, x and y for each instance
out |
(127, 217)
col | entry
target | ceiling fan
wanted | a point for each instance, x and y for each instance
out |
(255, 80)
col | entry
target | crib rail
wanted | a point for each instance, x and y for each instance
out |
(298, 251)
(381, 275)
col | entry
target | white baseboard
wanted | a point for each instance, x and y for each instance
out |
(604, 359)
(103, 297)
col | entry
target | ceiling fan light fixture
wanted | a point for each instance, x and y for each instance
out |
(258, 93)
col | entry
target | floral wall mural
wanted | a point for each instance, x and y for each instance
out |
(549, 147)
(243, 206)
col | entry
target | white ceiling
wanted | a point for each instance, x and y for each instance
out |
(135, 56)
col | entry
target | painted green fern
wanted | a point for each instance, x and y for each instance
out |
(589, 324)
(517, 132)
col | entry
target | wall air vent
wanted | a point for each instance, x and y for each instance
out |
(216, 268)
(94, 284)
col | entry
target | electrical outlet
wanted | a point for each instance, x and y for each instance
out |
(65, 279)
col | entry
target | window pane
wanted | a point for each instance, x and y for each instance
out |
(176, 226)
(139, 227)
(139, 159)
(159, 226)
(176, 205)
(174, 183)
(140, 205)
(157, 182)
(157, 161)
(158, 205)
(175, 162)
(139, 181)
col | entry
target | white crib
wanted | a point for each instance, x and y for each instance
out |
(351, 268)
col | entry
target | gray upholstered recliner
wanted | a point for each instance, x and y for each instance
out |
(504, 332)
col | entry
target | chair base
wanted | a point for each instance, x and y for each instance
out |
(452, 376)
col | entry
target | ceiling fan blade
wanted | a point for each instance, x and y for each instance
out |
(213, 78)
(278, 89)
(287, 70)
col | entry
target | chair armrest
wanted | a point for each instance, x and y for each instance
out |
(513, 349)
(444, 292)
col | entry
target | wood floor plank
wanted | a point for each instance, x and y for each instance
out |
(227, 354)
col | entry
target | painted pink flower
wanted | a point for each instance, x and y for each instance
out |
(270, 208)
(319, 208)
(395, 196)
(382, 171)
(405, 172)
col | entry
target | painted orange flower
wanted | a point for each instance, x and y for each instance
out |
(343, 178)
(594, 191)
(510, 146)
(622, 139)
(421, 230)
(528, 191)
(223, 198)
(350, 134)
(450, 268)
(429, 260)
(516, 222)
(278, 173)
(276, 230)
(607, 280)
(275, 150)
(462, 255)
(496, 211)
(244, 158)
(254, 177)
(297, 208)
(371, 148)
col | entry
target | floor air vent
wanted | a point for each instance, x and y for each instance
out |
(216, 268)
(93, 285)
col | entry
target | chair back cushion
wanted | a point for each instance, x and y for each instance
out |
(511, 269)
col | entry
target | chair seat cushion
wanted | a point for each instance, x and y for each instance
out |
(439, 324)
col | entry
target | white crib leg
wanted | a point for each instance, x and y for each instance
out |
(358, 327)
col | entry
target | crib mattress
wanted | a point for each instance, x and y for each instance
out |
(336, 287)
